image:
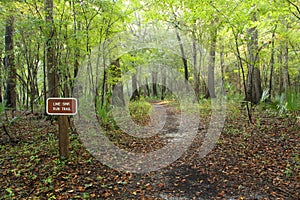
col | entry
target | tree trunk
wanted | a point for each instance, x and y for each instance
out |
(76, 48)
(272, 62)
(240, 82)
(280, 76)
(1, 77)
(222, 63)
(202, 84)
(154, 81)
(195, 74)
(104, 81)
(11, 93)
(135, 95)
(286, 78)
(147, 87)
(183, 57)
(240, 64)
(164, 82)
(211, 65)
(52, 78)
(118, 94)
(254, 90)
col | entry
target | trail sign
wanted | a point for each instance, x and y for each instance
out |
(61, 106)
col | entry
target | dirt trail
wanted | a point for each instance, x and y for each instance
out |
(247, 163)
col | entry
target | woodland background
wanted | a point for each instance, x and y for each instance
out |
(251, 46)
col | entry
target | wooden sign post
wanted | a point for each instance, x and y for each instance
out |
(62, 107)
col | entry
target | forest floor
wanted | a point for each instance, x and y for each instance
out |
(256, 161)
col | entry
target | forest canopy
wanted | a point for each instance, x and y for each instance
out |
(251, 46)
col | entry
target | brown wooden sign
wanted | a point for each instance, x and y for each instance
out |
(61, 106)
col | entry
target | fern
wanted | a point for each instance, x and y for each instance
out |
(293, 101)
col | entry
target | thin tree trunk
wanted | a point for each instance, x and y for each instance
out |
(76, 48)
(164, 82)
(53, 90)
(240, 63)
(154, 81)
(35, 88)
(147, 87)
(104, 85)
(195, 73)
(272, 62)
(135, 94)
(1, 78)
(118, 94)
(45, 79)
(202, 85)
(280, 76)
(222, 63)
(254, 90)
(11, 94)
(286, 78)
(183, 57)
(211, 66)
(239, 80)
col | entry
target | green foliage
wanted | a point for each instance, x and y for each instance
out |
(286, 105)
(293, 101)
(265, 95)
(10, 193)
(280, 104)
(104, 111)
(2, 108)
(140, 110)
(288, 171)
(3, 119)
(205, 106)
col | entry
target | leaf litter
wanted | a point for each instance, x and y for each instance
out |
(248, 162)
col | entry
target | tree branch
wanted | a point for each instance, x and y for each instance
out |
(297, 8)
